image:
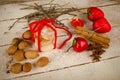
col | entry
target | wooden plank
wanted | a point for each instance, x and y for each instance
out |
(59, 59)
(13, 9)
(3, 2)
(18, 28)
(104, 70)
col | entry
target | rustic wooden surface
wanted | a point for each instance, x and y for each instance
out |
(63, 66)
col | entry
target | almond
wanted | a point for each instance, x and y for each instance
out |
(15, 41)
(27, 67)
(19, 55)
(27, 34)
(31, 54)
(23, 44)
(43, 61)
(11, 50)
(16, 68)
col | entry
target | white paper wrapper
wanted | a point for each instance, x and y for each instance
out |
(46, 39)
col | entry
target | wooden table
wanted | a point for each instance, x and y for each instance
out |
(62, 66)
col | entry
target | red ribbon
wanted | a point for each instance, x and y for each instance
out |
(67, 38)
(37, 26)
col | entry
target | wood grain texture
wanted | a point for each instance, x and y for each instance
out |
(104, 70)
(62, 62)
(67, 67)
(3, 2)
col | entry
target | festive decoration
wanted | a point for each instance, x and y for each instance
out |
(37, 33)
(93, 36)
(43, 32)
(77, 22)
(95, 13)
(101, 26)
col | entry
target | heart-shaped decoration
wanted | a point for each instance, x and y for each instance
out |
(101, 26)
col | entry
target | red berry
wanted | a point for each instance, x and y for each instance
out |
(95, 13)
(101, 26)
(77, 22)
(80, 44)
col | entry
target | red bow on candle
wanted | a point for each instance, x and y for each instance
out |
(37, 26)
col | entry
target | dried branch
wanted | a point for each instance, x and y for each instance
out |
(14, 23)
(51, 10)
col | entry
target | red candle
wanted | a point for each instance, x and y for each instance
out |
(77, 22)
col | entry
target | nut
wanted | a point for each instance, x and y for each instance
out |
(27, 34)
(11, 50)
(16, 68)
(43, 61)
(23, 44)
(15, 41)
(19, 55)
(31, 54)
(27, 67)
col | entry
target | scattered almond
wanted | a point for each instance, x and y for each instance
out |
(16, 68)
(15, 41)
(23, 44)
(31, 54)
(43, 61)
(27, 34)
(27, 67)
(19, 55)
(11, 50)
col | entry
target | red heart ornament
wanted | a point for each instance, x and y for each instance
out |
(94, 13)
(101, 26)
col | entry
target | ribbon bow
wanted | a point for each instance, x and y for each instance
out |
(37, 26)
